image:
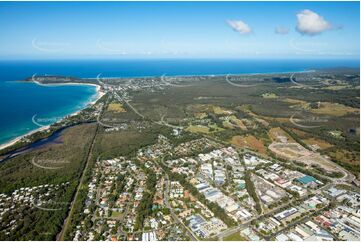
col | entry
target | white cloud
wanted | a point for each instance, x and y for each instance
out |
(310, 23)
(281, 30)
(239, 26)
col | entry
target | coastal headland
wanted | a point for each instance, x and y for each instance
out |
(230, 152)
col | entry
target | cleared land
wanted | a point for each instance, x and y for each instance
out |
(334, 109)
(250, 142)
(269, 95)
(318, 143)
(233, 122)
(254, 122)
(234, 237)
(278, 134)
(116, 107)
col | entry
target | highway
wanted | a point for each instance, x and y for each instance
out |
(88, 157)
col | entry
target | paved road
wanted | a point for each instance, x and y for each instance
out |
(174, 216)
(274, 210)
(161, 122)
(303, 219)
(131, 106)
(71, 211)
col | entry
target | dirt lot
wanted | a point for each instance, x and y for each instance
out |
(250, 142)
(221, 111)
(321, 144)
(300, 133)
(296, 152)
(279, 135)
(233, 122)
(116, 107)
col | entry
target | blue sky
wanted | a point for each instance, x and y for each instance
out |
(179, 30)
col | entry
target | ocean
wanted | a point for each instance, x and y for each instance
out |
(20, 102)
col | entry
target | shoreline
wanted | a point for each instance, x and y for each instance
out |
(18, 138)
(201, 75)
(99, 94)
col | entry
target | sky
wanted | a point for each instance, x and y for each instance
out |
(57, 30)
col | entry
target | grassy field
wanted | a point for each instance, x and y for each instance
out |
(337, 87)
(116, 214)
(257, 115)
(300, 133)
(116, 107)
(213, 98)
(345, 156)
(201, 115)
(250, 142)
(294, 101)
(269, 95)
(336, 134)
(334, 109)
(198, 129)
(221, 111)
(228, 124)
(234, 120)
(204, 129)
(318, 142)
(234, 237)
(276, 134)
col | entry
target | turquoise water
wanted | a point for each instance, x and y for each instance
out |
(19, 102)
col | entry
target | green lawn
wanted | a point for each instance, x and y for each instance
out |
(116, 214)
(269, 95)
(234, 237)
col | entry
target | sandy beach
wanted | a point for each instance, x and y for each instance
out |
(14, 141)
(99, 94)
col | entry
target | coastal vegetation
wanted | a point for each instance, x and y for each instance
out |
(36, 168)
(248, 118)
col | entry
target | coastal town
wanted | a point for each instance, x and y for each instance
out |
(180, 120)
(210, 196)
(189, 182)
